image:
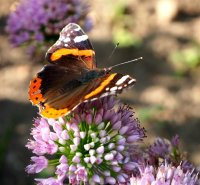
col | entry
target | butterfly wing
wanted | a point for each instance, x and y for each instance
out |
(72, 48)
(52, 81)
(62, 100)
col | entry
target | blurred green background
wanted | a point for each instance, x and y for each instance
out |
(166, 97)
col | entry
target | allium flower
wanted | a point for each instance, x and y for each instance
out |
(164, 175)
(37, 21)
(160, 148)
(92, 145)
(165, 150)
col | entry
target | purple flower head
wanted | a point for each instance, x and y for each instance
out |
(38, 22)
(165, 174)
(160, 148)
(165, 150)
(93, 144)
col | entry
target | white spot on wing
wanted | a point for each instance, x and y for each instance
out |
(107, 89)
(121, 80)
(113, 88)
(132, 80)
(67, 39)
(107, 94)
(103, 95)
(80, 38)
(93, 99)
(61, 38)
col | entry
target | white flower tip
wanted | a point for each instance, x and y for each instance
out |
(61, 120)
(101, 126)
(73, 148)
(63, 159)
(106, 173)
(91, 144)
(76, 159)
(93, 159)
(103, 140)
(82, 135)
(72, 168)
(86, 159)
(116, 168)
(121, 179)
(61, 148)
(87, 147)
(109, 157)
(100, 150)
(79, 154)
(92, 152)
(93, 135)
(76, 141)
(102, 133)
(65, 135)
(62, 141)
(96, 178)
(99, 160)
(110, 180)
(120, 148)
(111, 146)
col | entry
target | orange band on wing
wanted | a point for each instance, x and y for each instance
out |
(101, 87)
(63, 51)
(49, 112)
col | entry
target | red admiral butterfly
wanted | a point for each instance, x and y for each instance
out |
(72, 77)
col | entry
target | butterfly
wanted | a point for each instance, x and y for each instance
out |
(72, 76)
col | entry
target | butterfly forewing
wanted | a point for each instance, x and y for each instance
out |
(72, 46)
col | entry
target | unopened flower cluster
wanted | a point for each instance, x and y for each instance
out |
(168, 151)
(93, 145)
(38, 22)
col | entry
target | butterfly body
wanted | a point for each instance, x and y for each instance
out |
(72, 76)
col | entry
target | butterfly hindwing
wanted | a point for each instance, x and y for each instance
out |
(52, 81)
(67, 100)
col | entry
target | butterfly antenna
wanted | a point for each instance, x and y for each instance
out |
(113, 51)
(130, 61)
